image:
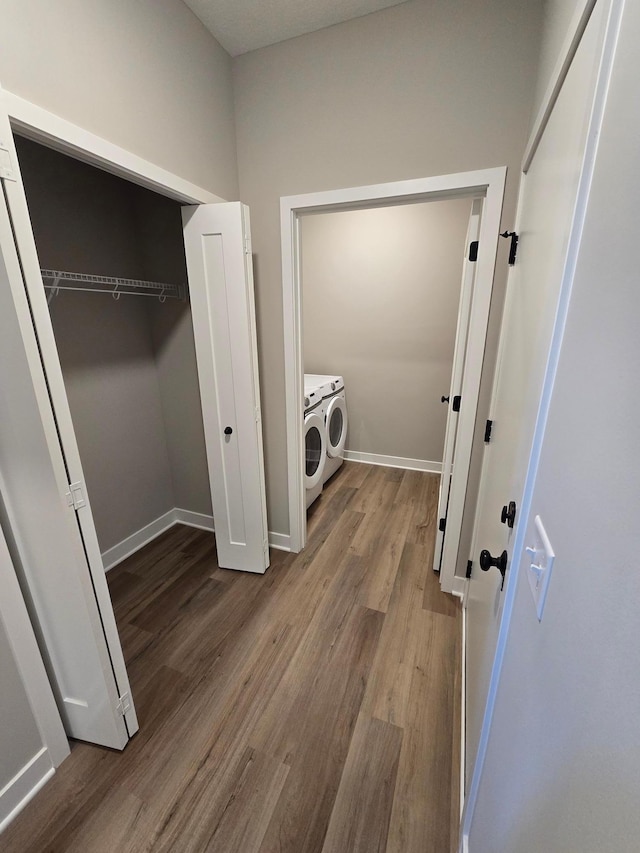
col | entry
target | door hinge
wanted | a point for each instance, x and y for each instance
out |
(75, 496)
(473, 251)
(257, 414)
(124, 704)
(455, 405)
(513, 250)
(7, 171)
(487, 431)
(442, 524)
(247, 245)
(469, 569)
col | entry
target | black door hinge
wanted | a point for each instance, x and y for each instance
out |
(455, 406)
(508, 514)
(442, 525)
(473, 251)
(513, 251)
(469, 569)
(487, 431)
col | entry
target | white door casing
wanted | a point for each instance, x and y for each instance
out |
(550, 209)
(70, 606)
(219, 263)
(448, 488)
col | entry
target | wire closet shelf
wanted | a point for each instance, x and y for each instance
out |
(55, 280)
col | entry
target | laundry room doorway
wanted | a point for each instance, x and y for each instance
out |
(406, 323)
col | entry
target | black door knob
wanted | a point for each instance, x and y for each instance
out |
(508, 514)
(444, 399)
(487, 561)
(228, 430)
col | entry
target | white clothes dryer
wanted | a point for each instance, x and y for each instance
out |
(335, 418)
(315, 445)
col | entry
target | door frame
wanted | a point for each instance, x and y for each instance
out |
(40, 125)
(486, 183)
(569, 48)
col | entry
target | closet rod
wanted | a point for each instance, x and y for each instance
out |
(56, 280)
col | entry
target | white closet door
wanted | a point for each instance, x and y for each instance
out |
(53, 543)
(218, 249)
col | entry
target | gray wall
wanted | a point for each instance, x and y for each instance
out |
(145, 75)
(129, 365)
(563, 766)
(424, 88)
(159, 230)
(107, 356)
(381, 289)
(177, 370)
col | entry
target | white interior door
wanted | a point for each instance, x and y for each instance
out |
(218, 249)
(49, 539)
(457, 373)
(545, 220)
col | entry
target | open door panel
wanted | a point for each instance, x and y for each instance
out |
(218, 250)
(45, 511)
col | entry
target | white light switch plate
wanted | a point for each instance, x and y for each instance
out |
(539, 557)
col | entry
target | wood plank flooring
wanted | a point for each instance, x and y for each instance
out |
(315, 709)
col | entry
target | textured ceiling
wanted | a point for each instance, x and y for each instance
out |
(244, 25)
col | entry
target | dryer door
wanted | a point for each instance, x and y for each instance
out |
(315, 449)
(336, 426)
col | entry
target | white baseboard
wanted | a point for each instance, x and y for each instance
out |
(116, 554)
(193, 519)
(24, 786)
(394, 461)
(112, 556)
(280, 541)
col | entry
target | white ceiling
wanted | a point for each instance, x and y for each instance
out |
(244, 25)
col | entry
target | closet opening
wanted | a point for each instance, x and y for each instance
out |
(122, 415)
(130, 417)
(113, 265)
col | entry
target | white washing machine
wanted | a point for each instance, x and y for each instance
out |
(315, 444)
(335, 417)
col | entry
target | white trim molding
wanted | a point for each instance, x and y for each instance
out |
(24, 786)
(393, 461)
(193, 519)
(50, 129)
(128, 546)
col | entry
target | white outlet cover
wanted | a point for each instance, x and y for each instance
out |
(539, 557)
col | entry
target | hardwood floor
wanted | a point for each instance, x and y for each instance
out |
(315, 708)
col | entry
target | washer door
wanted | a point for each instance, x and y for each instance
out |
(336, 426)
(315, 448)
